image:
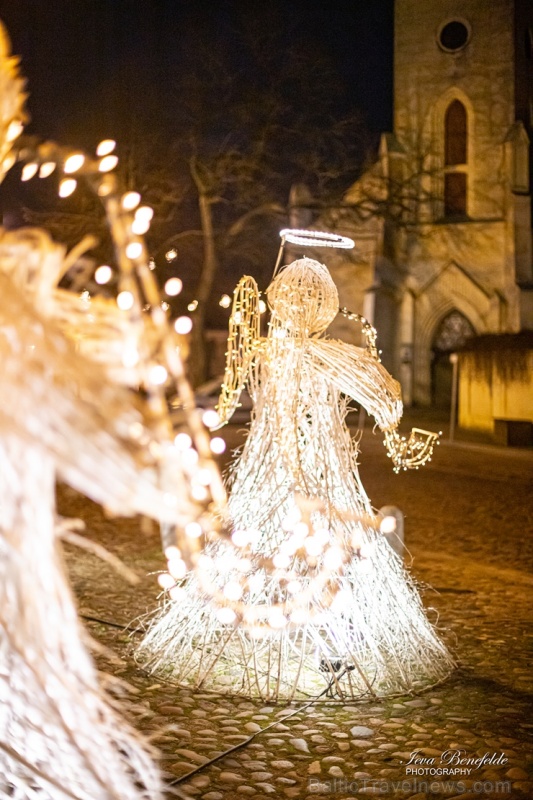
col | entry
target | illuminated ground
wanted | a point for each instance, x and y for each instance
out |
(469, 528)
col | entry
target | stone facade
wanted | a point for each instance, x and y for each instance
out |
(442, 220)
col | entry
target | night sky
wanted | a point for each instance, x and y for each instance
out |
(70, 49)
(126, 70)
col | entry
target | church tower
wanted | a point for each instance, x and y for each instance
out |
(448, 253)
(463, 105)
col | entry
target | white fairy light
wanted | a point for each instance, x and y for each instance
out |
(134, 250)
(173, 287)
(73, 163)
(108, 163)
(103, 274)
(199, 492)
(165, 581)
(210, 418)
(240, 538)
(140, 225)
(177, 594)
(14, 130)
(130, 355)
(144, 212)
(130, 200)
(226, 616)
(183, 441)
(46, 169)
(233, 590)
(105, 147)
(262, 306)
(125, 300)
(183, 325)
(177, 569)
(225, 301)
(67, 187)
(28, 171)
(171, 254)
(193, 530)
(193, 305)
(158, 374)
(218, 445)
(388, 524)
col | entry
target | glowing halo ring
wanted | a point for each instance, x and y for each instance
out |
(316, 238)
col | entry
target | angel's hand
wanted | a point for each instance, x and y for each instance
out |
(412, 452)
(243, 339)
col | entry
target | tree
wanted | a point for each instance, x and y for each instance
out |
(215, 147)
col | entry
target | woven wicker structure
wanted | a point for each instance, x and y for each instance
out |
(373, 637)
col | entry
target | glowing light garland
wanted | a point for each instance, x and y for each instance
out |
(309, 566)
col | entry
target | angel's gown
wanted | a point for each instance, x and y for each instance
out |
(375, 637)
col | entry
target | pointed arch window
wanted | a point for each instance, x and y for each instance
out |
(455, 160)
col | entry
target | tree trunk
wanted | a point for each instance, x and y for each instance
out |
(198, 362)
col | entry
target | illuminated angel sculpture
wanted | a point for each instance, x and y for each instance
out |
(59, 735)
(373, 638)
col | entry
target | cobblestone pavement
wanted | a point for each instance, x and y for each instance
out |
(469, 530)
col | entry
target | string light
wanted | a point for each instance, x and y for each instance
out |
(105, 147)
(140, 225)
(134, 250)
(67, 187)
(47, 169)
(225, 301)
(108, 163)
(210, 418)
(171, 254)
(28, 171)
(218, 445)
(130, 201)
(125, 300)
(73, 163)
(14, 130)
(173, 287)
(103, 274)
(158, 374)
(193, 305)
(183, 325)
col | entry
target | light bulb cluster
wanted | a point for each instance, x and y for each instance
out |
(369, 331)
(305, 568)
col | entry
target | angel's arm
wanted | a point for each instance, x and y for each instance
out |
(356, 373)
(243, 341)
(360, 375)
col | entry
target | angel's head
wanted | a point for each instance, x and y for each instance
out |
(303, 297)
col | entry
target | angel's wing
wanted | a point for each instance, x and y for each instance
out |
(243, 338)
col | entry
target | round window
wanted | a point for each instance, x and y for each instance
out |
(453, 36)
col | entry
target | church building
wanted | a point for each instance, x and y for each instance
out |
(442, 220)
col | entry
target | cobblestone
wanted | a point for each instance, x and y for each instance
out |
(467, 518)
